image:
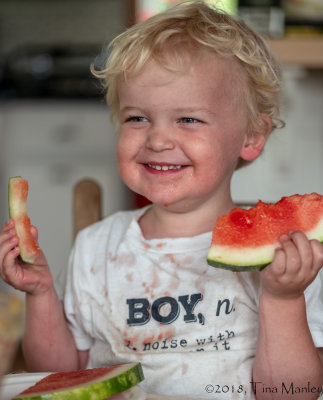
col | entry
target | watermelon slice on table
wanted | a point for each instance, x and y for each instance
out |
(246, 239)
(18, 193)
(87, 384)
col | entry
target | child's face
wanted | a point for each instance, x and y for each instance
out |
(181, 134)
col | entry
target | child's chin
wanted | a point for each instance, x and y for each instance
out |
(161, 202)
(164, 199)
(172, 205)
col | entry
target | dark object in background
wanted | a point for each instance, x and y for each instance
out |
(303, 17)
(264, 16)
(45, 72)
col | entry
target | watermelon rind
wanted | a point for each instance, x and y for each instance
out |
(241, 259)
(237, 268)
(120, 379)
(17, 210)
(16, 207)
(248, 258)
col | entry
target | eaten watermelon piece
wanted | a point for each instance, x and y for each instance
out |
(17, 196)
(246, 239)
(87, 384)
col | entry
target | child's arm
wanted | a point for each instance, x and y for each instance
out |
(48, 344)
(286, 357)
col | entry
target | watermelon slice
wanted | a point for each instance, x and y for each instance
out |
(18, 192)
(246, 239)
(87, 384)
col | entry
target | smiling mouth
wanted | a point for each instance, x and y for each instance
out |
(164, 167)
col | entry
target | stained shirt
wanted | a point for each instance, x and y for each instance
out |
(191, 326)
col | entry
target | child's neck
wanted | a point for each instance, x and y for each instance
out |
(163, 222)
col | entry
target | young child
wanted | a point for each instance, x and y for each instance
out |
(195, 94)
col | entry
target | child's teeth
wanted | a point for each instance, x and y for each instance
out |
(164, 167)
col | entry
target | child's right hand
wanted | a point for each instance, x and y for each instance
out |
(30, 278)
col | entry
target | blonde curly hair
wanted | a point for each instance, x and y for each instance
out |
(185, 29)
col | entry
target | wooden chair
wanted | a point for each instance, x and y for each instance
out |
(87, 204)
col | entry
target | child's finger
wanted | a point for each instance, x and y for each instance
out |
(304, 248)
(317, 251)
(293, 259)
(5, 234)
(8, 225)
(8, 270)
(279, 262)
(10, 241)
(34, 232)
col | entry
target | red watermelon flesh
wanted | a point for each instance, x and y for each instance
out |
(245, 239)
(88, 384)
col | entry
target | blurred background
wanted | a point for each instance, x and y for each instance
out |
(54, 123)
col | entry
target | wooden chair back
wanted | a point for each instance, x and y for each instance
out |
(87, 204)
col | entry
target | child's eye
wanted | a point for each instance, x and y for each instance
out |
(136, 118)
(188, 120)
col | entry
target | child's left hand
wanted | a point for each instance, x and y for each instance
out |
(295, 265)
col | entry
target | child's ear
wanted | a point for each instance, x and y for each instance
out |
(255, 141)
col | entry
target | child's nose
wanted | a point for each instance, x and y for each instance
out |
(160, 138)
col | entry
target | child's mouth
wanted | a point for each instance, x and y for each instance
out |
(164, 167)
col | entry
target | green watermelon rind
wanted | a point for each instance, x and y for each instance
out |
(237, 268)
(130, 377)
(251, 259)
(242, 259)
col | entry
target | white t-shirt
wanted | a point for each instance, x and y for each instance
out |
(193, 327)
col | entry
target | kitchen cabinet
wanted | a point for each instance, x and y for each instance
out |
(53, 145)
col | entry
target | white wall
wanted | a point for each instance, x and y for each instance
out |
(292, 161)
